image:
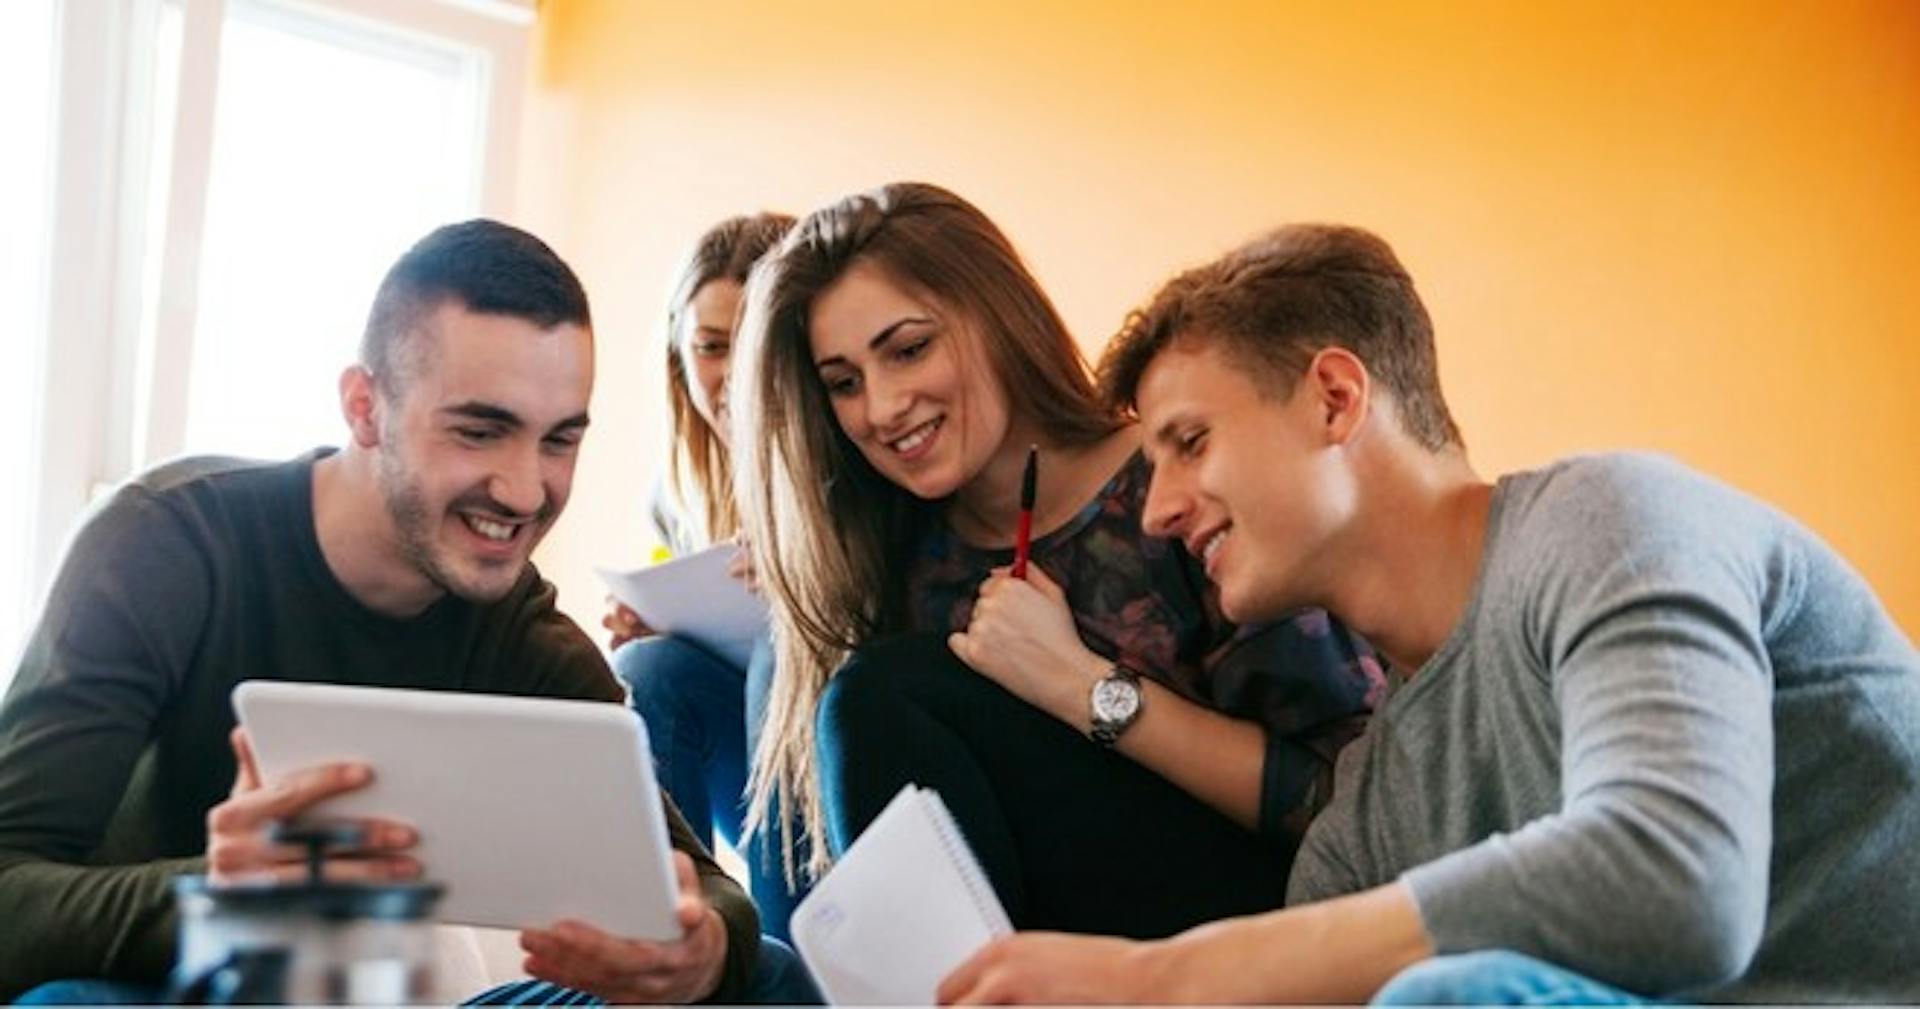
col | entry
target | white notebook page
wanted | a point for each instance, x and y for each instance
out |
(900, 910)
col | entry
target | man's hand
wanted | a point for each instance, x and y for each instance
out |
(1336, 952)
(627, 971)
(1022, 637)
(1049, 967)
(238, 848)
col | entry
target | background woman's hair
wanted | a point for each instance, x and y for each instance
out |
(699, 475)
(832, 537)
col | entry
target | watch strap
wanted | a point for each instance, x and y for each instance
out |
(1107, 733)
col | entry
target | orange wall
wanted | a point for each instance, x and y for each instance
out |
(1690, 227)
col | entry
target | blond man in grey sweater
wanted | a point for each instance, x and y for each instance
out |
(1647, 737)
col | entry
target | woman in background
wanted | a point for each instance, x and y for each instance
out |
(698, 705)
(896, 361)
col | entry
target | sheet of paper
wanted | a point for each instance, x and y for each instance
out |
(900, 910)
(693, 596)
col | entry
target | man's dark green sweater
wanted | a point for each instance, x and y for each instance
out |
(113, 737)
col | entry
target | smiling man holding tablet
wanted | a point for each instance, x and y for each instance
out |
(400, 561)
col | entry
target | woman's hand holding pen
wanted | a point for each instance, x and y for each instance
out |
(1022, 637)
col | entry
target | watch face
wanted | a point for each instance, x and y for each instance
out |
(1115, 700)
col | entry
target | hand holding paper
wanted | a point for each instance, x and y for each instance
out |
(622, 624)
(695, 596)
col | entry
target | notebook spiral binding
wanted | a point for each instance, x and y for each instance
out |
(979, 889)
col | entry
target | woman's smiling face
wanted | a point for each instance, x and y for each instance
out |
(907, 382)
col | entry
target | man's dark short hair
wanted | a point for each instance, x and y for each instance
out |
(487, 267)
(1275, 302)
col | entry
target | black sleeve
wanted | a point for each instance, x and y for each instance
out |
(105, 661)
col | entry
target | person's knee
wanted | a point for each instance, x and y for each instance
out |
(910, 669)
(866, 719)
(780, 978)
(654, 670)
(1484, 977)
(863, 684)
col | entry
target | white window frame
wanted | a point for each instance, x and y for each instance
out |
(30, 173)
(105, 416)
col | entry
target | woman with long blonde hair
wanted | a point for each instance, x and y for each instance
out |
(1120, 758)
(697, 703)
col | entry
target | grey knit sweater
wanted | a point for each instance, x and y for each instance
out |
(1670, 745)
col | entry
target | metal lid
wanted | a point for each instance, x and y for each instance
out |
(326, 900)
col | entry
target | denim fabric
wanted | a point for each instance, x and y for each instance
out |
(703, 718)
(766, 876)
(93, 992)
(693, 702)
(778, 979)
(1497, 977)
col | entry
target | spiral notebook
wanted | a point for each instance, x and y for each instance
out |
(900, 910)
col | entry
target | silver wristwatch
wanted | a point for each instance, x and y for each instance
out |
(1116, 704)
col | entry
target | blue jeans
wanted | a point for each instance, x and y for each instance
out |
(694, 704)
(779, 978)
(93, 992)
(1498, 977)
(703, 718)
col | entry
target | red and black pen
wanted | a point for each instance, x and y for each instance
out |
(1024, 539)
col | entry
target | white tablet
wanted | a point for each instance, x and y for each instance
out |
(529, 810)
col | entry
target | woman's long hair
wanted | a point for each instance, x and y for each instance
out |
(831, 537)
(699, 473)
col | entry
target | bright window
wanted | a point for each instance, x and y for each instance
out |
(199, 197)
(26, 120)
(335, 146)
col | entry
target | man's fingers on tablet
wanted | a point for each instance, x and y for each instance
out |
(264, 875)
(386, 835)
(246, 776)
(653, 966)
(303, 788)
(249, 811)
(245, 857)
(235, 854)
(592, 946)
(558, 956)
(688, 912)
(373, 868)
(685, 875)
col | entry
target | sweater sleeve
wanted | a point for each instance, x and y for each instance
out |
(1653, 874)
(104, 662)
(1322, 868)
(736, 910)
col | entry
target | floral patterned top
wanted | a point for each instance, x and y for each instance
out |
(1145, 601)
